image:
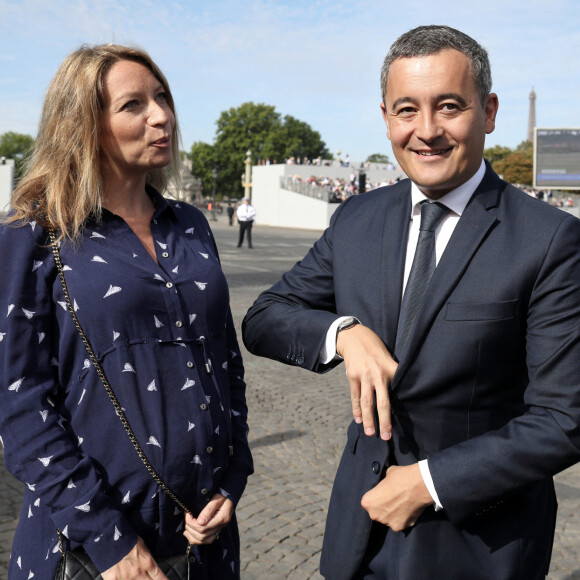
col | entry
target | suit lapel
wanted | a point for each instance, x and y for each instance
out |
(471, 230)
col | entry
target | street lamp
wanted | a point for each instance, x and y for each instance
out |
(247, 178)
(214, 174)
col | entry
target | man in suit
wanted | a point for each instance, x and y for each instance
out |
(466, 400)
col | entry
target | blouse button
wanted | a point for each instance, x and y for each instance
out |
(204, 491)
(203, 406)
(169, 284)
(179, 324)
(189, 364)
(165, 254)
(209, 449)
(155, 221)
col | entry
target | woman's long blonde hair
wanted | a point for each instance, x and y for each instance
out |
(62, 183)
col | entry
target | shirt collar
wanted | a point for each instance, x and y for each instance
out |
(456, 200)
(160, 203)
(161, 206)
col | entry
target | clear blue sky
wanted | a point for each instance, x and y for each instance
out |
(317, 60)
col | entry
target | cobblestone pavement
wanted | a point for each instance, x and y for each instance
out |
(298, 424)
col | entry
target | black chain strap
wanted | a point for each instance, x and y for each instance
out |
(105, 382)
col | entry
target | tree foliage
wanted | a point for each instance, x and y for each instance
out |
(378, 158)
(260, 129)
(515, 166)
(496, 153)
(16, 146)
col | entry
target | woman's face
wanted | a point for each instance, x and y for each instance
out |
(137, 122)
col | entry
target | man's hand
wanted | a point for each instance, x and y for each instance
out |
(138, 564)
(206, 527)
(370, 370)
(399, 499)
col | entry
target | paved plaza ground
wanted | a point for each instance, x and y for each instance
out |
(298, 424)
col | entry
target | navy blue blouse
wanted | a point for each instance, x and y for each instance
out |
(165, 338)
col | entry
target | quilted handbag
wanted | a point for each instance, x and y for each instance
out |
(76, 565)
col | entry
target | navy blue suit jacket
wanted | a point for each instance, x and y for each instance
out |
(488, 391)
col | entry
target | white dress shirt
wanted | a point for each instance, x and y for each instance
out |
(456, 200)
(246, 212)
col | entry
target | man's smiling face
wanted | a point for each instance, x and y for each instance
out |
(435, 120)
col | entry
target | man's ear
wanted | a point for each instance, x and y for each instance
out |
(385, 118)
(490, 109)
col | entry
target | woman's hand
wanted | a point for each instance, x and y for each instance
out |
(206, 527)
(138, 564)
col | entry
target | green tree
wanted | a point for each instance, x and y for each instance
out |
(526, 147)
(16, 146)
(496, 153)
(378, 158)
(517, 167)
(294, 138)
(204, 160)
(260, 129)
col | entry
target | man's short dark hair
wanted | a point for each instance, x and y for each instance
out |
(428, 40)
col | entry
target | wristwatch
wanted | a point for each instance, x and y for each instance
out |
(348, 323)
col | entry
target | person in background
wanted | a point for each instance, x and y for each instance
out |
(144, 277)
(231, 212)
(245, 214)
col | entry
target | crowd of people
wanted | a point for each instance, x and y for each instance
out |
(334, 189)
(337, 189)
(552, 197)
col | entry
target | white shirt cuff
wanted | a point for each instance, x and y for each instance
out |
(428, 480)
(328, 352)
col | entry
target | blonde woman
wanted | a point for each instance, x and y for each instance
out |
(144, 277)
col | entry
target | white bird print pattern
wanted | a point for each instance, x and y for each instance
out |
(85, 507)
(15, 386)
(188, 384)
(112, 290)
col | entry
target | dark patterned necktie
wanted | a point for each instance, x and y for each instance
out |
(421, 272)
